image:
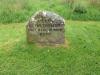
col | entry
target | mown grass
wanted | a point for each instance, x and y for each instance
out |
(21, 10)
(81, 57)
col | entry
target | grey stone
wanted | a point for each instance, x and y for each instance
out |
(46, 28)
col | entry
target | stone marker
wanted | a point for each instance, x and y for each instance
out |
(46, 28)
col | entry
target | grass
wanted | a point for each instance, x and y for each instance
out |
(82, 57)
(12, 11)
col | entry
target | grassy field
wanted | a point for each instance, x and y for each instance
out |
(12, 11)
(81, 57)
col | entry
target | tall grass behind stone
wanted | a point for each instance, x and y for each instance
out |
(21, 10)
(14, 10)
(95, 3)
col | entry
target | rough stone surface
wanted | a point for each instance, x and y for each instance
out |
(46, 28)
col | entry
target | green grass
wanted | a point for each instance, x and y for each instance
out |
(82, 57)
(12, 11)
